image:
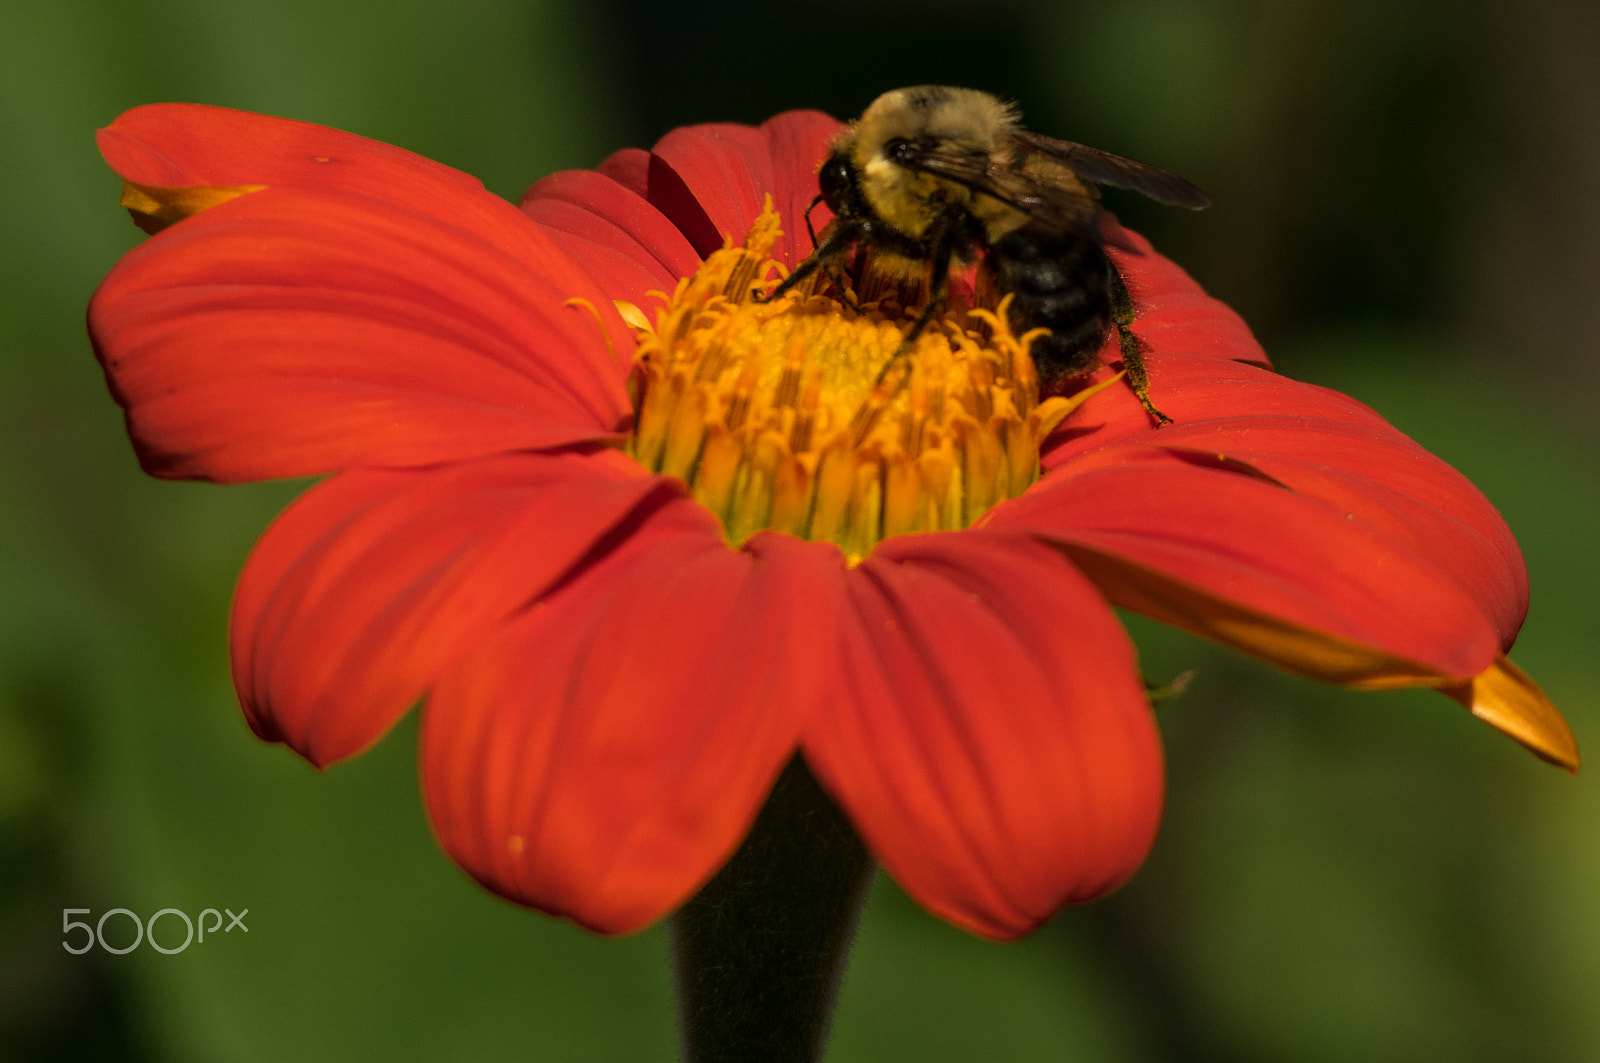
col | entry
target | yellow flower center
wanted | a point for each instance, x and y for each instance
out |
(802, 415)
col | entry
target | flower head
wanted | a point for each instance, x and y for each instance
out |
(635, 551)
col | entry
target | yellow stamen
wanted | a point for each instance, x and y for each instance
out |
(797, 415)
(584, 304)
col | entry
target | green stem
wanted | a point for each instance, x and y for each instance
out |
(761, 949)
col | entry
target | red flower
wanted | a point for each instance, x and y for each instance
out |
(611, 686)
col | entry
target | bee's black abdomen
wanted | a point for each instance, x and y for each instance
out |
(1060, 283)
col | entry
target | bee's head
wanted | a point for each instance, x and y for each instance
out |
(929, 118)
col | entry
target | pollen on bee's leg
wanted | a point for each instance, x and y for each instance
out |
(808, 416)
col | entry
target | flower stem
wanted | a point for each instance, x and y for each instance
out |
(761, 949)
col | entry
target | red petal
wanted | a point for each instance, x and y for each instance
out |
(289, 332)
(603, 755)
(1322, 445)
(1175, 314)
(1198, 390)
(190, 144)
(170, 144)
(992, 742)
(1243, 542)
(630, 168)
(374, 581)
(626, 244)
(649, 177)
(726, 167)
(731, 168)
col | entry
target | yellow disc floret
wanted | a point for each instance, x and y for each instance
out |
(805, 416)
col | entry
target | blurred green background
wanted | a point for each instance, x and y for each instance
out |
(1406, 210)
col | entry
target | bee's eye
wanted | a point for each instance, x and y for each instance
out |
(899, 149)
(833, 180)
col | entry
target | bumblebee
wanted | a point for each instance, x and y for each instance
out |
(933, 177)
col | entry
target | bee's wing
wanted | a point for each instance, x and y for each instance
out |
(1103, 168)
(1053, 200)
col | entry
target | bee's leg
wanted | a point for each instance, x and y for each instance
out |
(807, 216)
(935, 304)
(841, 287)
(831, 266)
(798, 274)
(1122, 315)
(826, 256)
(944, 247)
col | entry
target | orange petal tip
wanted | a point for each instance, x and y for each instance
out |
(1502, 695)
(1507, 698)
(154, 207)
